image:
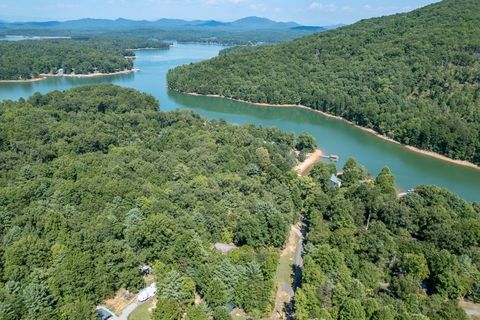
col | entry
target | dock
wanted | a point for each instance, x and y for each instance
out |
(331, 157)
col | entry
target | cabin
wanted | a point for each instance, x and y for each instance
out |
(335, 182)
(146, 270)
(60, 72)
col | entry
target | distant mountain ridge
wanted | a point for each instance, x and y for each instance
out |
(121, 23)
(248, 30)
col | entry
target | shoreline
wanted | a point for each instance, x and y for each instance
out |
(91, 75)
(146, 49)
(427, 153)
(44, 76)
(41, 78)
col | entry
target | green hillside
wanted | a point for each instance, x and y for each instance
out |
(22, 60)
(413, 77)
(96, 181)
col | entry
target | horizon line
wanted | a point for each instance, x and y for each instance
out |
(39, 20)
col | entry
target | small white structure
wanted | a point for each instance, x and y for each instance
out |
(225, 248)
(60, 72)
(335, 182)
(403, 194)
(147, 293)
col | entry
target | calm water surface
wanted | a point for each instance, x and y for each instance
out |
(333, 136)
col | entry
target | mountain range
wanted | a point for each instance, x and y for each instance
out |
(248, 23)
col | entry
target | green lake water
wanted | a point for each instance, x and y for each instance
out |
(333, 136)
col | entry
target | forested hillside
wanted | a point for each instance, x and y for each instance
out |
(372, 255)
(413, 77)
(28, 59)
(95, 182)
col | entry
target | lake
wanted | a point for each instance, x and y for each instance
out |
(333, 136)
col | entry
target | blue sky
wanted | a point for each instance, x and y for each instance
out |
(312, 12)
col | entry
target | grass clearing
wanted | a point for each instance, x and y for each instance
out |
(143, 312)
(284, 274)
(287, 260)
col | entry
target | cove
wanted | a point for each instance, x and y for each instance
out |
(333, 136)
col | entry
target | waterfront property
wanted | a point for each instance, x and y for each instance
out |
(333, 136)
(335, 182)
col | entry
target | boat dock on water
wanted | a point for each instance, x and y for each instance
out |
(331, 157)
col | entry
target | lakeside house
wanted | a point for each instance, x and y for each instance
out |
(335, 182)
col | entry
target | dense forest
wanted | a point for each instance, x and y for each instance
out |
(412, 77)
(241, 49)
(28, 59)
(125, 42)
(95, 182)
(372, 255)
(182, 35)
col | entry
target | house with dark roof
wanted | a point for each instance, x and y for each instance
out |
(103, 314)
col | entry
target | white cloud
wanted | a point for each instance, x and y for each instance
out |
(223, 2)
(257, 7)
(330, 7)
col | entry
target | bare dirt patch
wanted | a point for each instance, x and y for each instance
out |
(304, 168)
(283, 297)
(239, 314)
(471, 309)
(284, 275)
(121, 300)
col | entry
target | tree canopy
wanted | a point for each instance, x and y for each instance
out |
(23, 60)
(96, 181)
(372, 255)
(412, 77)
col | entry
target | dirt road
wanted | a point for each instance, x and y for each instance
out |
(304, 168)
